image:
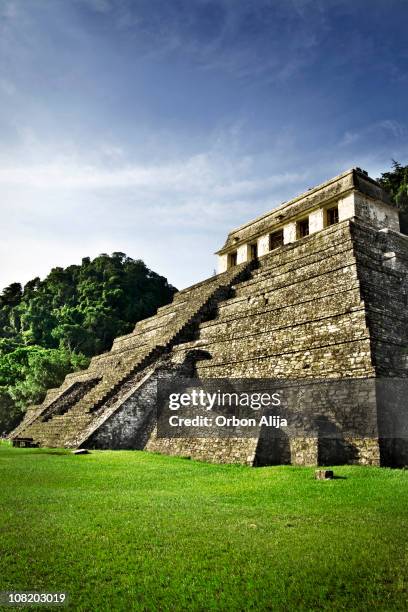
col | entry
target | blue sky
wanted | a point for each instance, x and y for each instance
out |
(154, 127)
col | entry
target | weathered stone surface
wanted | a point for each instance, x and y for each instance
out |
(324, 475)
(24, 443)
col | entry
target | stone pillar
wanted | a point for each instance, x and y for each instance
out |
(263, 245)
(222, 263)
(243, 253)
(289, 232)
(367, 450)
(347, 207)
(316, 220)
(304, 451)
(377, 213)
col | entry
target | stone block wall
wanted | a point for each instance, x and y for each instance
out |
(212, 450)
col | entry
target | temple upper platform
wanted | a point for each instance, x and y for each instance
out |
(350, 194)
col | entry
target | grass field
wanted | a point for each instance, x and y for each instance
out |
(136, 531)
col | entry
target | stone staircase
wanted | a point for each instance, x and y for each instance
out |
(84, 396)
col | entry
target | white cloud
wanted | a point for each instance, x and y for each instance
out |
(198, 176)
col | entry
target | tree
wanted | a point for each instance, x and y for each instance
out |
(10, 414)
(11, 295)
(396, 183)
(25, 375)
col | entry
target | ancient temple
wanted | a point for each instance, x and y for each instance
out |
(314, 289)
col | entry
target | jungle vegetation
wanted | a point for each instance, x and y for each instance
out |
(51, 327)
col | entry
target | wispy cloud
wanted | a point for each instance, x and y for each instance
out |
(384, 128)
(100, 6)
(219, 36)
(7, 87)
(205, 183)
(9, 9)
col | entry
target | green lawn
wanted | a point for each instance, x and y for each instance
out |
(137, 531)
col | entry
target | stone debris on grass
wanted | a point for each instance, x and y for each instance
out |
(324, 475)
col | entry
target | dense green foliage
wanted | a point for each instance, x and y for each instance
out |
(51, 327)
(136, 531)
(26, 373)
(396, 183)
